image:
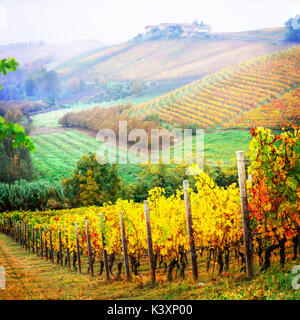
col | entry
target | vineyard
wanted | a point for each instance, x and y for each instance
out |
(123, 230)
(281, 112)
(218, 98)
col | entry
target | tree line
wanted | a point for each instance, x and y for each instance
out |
(108, 118)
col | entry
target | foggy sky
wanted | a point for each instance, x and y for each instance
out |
(113, 21)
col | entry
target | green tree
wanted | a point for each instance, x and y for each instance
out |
(35, 195)
(93, 183)
(9, 129)
(51, 86)
(293, 27)
(30, 88)
(14, 116)
(169, 177)
(48, 85)
(14, 158)
(7, 66)
(137, 88)
(15, 150)
(223, 176)
(16, 163)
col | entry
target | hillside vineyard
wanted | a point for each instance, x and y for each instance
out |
(216, 212)
(226, 95)
(281, 112)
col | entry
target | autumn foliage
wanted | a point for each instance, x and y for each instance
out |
(22, 106)
(280, 112)
(217, 220)
(275, 193)
(106, 118)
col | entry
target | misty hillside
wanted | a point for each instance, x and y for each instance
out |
(268, 34)
(170, 59)
(53, 54)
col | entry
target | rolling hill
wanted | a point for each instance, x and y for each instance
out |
(268, 34)
(28, 52)
(172, 59)
(218, 98)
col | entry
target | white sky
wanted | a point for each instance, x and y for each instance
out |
(2, 18)
(119, 20)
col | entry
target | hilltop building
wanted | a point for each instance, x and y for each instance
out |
(185, 29)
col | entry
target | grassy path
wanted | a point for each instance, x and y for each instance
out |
(29, 277)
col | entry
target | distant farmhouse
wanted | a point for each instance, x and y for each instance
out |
(184, 29)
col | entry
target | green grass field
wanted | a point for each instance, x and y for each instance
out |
(222, 145)
(57, 153)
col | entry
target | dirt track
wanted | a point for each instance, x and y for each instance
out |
(28, 277)
(18, 277)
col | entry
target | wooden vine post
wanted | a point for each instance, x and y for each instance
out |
(245, 212)
(189, 223)
(22, 234)
(149, 242)
(41, 243)
(17, 231)
(51, 247)
(10, 228)
(45, 237)
(77, 247)
(90, 255)
(125, 252)
(27, 238)
(14, 229)
(60, 247)
(33, 239)
(103, 246)
(68, 250)
(36, 242)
